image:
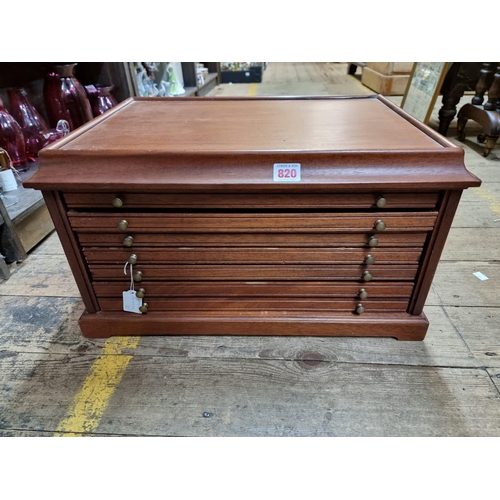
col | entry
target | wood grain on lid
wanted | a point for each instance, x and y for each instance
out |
(253, 125)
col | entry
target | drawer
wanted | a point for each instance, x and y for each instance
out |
(384, 240)
(260, 289)
(256, 222)
(262, 201)
(228, 255)
(151, 272)
(256, 304)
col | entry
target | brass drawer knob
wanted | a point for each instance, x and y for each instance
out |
(367, 276)
(128, 241)
(380, 225)
(373, 242)
(140, 293)
(369, 259)
(362, 294)
(118, 202)
(138, 276)
(132, 259)
(122, 225)
(144, 308)
(360, 309)
(381, 202)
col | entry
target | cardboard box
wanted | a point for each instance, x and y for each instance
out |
(384, 84)
(391, 68)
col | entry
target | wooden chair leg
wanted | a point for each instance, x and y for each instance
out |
(461, 123)
(494, 92)
(448, 111)
(484, 82)
(490, 144)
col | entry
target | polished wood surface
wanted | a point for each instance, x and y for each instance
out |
(214, 240)
(277, 272)
(251, 222)
(219, 247)
(259, 289)
(211, 201)
(252, 127)
(343, 144)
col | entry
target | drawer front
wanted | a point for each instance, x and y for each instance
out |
(151, 272)
(134, 240)
(257, 223)
(262, 201)
(267, 304)
(230, 255)
(176, 289)
(230, 260)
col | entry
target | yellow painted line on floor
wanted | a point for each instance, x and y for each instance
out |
(490, 197)
(90, 403)
(252, 90)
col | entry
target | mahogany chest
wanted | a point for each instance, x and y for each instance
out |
(254, 216)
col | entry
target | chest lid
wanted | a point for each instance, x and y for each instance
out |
(214, 144)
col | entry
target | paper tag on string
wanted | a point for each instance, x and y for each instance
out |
(131, 303)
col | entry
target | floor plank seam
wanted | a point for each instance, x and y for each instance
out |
(388, 365)
(469, 306)
(497, 387)
(4, 353)
(83, 434)
(458, 332)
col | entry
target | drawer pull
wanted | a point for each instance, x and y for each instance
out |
(118, 202)
(122, 225)
(138, 276)
(367, 276)
(128, 241)
(360, 309)
(140, 293)
(373, 242)
(369, 259)
(362, 294)
(380, 225)
(132, 259)
(144, 308)
(381, 202)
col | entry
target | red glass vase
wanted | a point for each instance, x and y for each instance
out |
(32, 124)
(12, 140)
(65, 97)
(101, 98)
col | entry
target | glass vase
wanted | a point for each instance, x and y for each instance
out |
(29, 119)
(101, 98)
(65, 97)
(12, 140)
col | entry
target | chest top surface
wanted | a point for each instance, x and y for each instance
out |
(188, 144)
(254, 126)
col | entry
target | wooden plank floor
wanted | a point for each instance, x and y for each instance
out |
(55, 382)
(298, 79)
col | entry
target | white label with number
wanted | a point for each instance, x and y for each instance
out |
(286, 172)
(131, 303)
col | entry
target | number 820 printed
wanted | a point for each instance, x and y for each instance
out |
(286, 172)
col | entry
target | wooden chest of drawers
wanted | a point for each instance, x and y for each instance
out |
(271, 216)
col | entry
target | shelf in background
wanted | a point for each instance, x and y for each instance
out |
(210, 83)
(191, 79)
(29, 215)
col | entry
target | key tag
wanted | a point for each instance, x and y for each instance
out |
(131, 303)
